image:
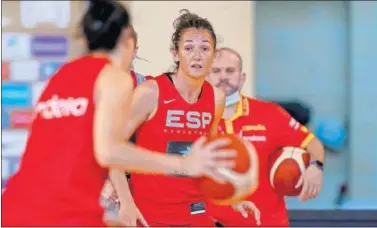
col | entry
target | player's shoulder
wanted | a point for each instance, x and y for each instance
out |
(147, 88)
(112, 75)
(152, 82)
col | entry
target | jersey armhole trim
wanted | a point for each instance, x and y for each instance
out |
(153, 114)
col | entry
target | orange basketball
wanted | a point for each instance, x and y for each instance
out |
(286, 167)
(242, 179)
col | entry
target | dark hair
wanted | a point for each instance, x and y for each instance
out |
(189, 20)
(103, 23)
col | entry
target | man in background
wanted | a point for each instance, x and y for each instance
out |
(269, 127)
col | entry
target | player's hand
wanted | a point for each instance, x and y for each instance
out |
(113, 221)
(311, 182)
(247, 207)
(207, 158)
(130, 214)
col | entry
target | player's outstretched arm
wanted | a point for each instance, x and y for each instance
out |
(113, 98)
(116, 118)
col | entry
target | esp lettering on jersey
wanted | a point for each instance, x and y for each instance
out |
(189, 119)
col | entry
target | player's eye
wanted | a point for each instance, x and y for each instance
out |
(230, 70)
(188, 48)
(215, 71)
(205, 49)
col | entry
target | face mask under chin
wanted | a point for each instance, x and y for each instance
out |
(232, 99)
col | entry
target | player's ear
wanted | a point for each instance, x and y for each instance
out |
(128, 38)
(135, 52)
(174, 52)
(243, 79)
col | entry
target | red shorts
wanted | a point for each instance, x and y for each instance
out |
(172, 215)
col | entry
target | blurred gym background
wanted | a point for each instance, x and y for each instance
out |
(316, 58)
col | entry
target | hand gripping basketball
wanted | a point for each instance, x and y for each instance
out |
(241, 180)
(205, 159)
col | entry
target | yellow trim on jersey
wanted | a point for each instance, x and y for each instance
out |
(307, 140)
(242, 108)
(304, 129)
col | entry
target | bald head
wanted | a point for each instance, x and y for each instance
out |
(230, 52)
(226, 72)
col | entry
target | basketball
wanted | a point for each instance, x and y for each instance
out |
(242, 178)
(286, 167)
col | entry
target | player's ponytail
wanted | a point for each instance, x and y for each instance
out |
(103, 23)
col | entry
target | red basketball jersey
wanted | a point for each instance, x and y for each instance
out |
(59, 181)
(174, 127)
(268, 127)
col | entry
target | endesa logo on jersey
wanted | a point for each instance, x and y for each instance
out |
(16, 95)
(56, 108)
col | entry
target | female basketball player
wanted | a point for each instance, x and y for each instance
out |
(170, 112)
(81, 125)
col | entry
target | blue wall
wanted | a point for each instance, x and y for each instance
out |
(363, 60)
(323, 53)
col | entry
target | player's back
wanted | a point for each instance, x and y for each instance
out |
(59, 177)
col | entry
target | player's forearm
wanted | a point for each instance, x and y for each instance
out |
(316, 150)
(120, 183)
(137, 159)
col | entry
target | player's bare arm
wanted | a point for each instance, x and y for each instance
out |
(220, 107)
(113, 94)
(139, 112)
(311, 179)
(316, 150)
(113, 100)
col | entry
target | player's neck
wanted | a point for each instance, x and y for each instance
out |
(188, 87)
(116, 60)
(230, 111)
